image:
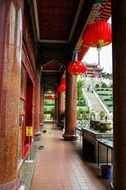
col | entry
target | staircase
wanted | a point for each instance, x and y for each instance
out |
(95, 104)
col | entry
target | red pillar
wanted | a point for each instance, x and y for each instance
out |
(119, 93)
(37, 102)
(71, 107)
(10, 66)
(41, 100)
(61, 107)
(56, 110)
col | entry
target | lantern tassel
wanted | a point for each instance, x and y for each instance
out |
(98, 49)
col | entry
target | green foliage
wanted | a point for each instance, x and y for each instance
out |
(105, 94)
(97, 86)
(92, 115)
(84, 115)
(49, 111)
(80, 84)
(107, 75)
(102, 115)
(82, 112)
(108, 99)
(49, 102)
(52, 112)
(104, 85)
(81, 102)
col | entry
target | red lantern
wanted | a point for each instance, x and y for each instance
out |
(62, 88)
(76, 68)
(56, 95)
(97, 34)
(63, 81)
(49, 97)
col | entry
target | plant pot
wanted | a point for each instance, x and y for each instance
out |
(105, 126)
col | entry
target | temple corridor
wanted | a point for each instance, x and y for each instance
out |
(43, 44)
(61, 166)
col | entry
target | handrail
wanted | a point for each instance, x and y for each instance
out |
(105, 108)
(101, 103)
(87, 101)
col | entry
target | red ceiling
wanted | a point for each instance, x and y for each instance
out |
(52, 66)
(55, 18)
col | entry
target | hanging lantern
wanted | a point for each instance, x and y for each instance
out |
(63, 81)
(61, 88)
(76, 68)
(56, 95)
(49, 97)
(97, 34)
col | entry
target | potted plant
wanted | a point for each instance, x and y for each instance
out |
(102, 115)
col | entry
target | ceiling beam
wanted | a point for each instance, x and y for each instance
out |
(85, 11)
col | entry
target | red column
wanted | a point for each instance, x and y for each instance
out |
(37, 102)
(10, 65)
(56, 109)
(119, 93)
(61, 107)
(41, 100)
(71, 107)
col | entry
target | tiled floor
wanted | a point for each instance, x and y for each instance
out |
(60, 165)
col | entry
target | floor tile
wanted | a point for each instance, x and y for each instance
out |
(60, 165)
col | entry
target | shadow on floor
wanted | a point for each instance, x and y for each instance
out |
(90, 163)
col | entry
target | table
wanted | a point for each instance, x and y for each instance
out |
(90, 145)
(108, 143)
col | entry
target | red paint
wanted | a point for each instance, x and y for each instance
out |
(97, 34)
(63, 81)
(49, 97)
(28, 98)
(62, 88)
(82, 52)
(56, 95)
(76, 68)
(27, 65)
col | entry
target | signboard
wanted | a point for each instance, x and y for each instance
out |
(29, 131)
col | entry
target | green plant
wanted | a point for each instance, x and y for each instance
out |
(97, 86)
(82, 112)
(102, 115)
(92, 115)
(84, 115)
(81, 102)
(52, 112)
(80, 84)
(104, 85)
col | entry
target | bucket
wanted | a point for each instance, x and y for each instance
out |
(106, 171)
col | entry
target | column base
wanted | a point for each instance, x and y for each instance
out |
(37, 135)
(13, 185)
(60, 125)
(70, 137)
